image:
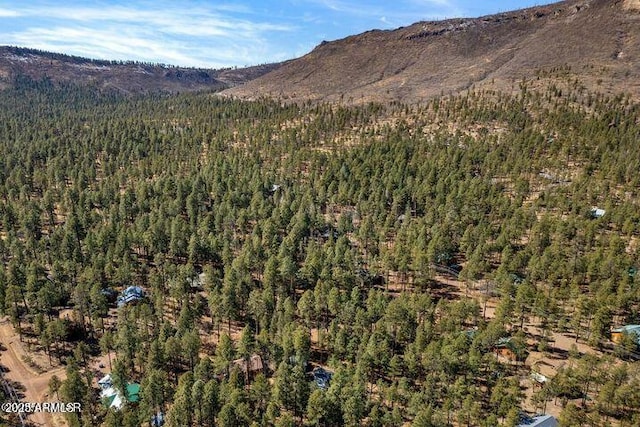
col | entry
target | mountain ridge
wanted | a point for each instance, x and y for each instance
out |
(598, 40)
(125, 76)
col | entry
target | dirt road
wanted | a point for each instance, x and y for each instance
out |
(36, 385)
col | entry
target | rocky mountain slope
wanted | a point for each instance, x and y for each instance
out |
(596, 41)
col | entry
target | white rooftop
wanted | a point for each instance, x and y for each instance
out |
(541, 421)
(105, 382)
(108, 392)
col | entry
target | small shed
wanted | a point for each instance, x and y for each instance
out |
(133, 392)
(617, 335)
(252, 367)
(130, 295)
(157, 420)
(322, 377)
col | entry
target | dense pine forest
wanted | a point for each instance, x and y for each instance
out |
(398, 247)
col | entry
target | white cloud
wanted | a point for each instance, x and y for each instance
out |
(203, 37)
(201, 32)
(131, 45)
(6, 13)
(192, 22)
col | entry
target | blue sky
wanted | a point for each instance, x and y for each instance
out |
(215, 34)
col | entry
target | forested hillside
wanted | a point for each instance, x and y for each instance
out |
(396, 246)
(123, 76)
